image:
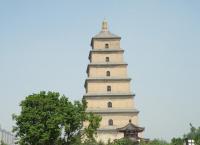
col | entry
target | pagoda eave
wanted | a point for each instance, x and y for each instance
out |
(140, 129)
(109, 94)
(106, 79)
(106, 111)
(101, 51)
(100, 65)
(105, 35)
(131, 128)
(107, 50)
(107, 64)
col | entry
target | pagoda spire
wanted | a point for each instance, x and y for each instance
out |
(104, 25)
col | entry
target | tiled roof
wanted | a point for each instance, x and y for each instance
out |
(131, 127)
(106, 34)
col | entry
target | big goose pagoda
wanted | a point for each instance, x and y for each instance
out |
(108, 91)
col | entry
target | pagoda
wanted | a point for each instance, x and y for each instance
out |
(108, 91)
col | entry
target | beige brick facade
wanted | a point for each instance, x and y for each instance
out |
(100, 43)
(101, 57)
(116, 87)
(108, 91)
(118, 71)
(116, 103)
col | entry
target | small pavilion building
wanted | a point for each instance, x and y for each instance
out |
(131, 131)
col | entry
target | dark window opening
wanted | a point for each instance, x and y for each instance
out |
(109, 88)
(110, 122)
(106, 45)
(107, 59)
(108, 73)
(109, 104)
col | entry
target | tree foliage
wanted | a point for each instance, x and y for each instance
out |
(90, 131)
(2, 143)
(194, 134)
(155, 142)
(51, 119)
(177, 141)
(123, 141)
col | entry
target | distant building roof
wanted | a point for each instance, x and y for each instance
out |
(106, 34)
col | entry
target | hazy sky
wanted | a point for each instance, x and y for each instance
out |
(44, 45)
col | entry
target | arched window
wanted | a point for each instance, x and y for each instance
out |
(108, 88)
(107, 59)
(108, 73)
(109, 104)
(106, 45)
(110, 122)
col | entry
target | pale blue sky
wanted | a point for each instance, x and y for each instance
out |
(44, 45)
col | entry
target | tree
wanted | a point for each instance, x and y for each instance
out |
(39, 120)
(72, 118)
(155, 142)
(90, 131)
(194, 134)
(123, 141)
(177, 141)
(50, 119)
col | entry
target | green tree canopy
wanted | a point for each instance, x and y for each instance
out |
(123, 141)
(90, 131)
(155, 142)
(177, 141)
(48, 118)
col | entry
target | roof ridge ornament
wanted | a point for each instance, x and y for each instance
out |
(104, 25)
